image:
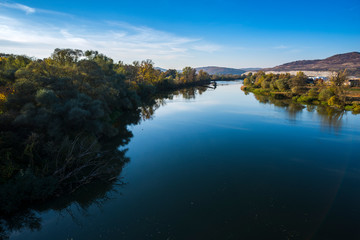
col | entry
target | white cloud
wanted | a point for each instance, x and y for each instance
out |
(210, 48)
(18, 6)
(38, 35)
(121, 42)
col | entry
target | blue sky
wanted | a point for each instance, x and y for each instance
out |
(184, 33)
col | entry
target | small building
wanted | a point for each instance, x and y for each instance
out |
(354, 83)
(317, 79)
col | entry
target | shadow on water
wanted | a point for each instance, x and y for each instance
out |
(148, 110)
(330, 117)
(16, 218)
(94, 194)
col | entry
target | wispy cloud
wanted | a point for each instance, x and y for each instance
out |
(38, 36)
(207, 48)
(281, 47)
(18, 6)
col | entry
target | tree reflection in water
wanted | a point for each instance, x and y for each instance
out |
(148, 109)
(90, 194)
(330, 117)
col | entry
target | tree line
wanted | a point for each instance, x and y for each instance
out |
(62, 119)
(304, 90)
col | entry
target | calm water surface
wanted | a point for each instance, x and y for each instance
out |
(223, 165)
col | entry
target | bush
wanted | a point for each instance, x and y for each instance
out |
(313, 92)
(325, 94)
(356, 108)
(297, 90)
(282, 84)
(335, 101)
(265, 84)
(306, 99)
(247, 82)
(349, 107)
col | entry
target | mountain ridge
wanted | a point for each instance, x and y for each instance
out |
(349, 61)
(215, 70)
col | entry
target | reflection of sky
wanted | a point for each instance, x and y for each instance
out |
(225, 157)
(298, 155)
(235, 107)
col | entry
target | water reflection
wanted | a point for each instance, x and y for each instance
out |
(196, 176)
(29, 219)
(91, 193)
(330, 118)
(148, 110)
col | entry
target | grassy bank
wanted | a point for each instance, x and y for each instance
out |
(300, 89)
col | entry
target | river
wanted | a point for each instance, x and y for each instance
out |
(223, 165)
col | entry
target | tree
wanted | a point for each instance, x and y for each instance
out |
(299, 80)
(66, 56)
(337, 81)
(189, 74)
(247, 82)
(282, 84)
(171, 73)
(202, 76)
(147, 73)
(339, 78)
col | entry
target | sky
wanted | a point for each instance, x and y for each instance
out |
(175, 34)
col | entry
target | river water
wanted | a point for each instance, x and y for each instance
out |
(224, 165)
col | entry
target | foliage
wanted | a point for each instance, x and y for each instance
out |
(337, 81)
(300, 89)
(282, 84)
(58, 115)
(325, 94)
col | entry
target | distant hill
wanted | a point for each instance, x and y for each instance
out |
(161, 69)
(221, 70)
(251, 69)
(349, 61)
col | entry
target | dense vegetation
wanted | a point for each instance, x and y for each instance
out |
(62, 119)
(226, 77)
(303, 90)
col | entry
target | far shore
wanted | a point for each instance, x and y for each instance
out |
(326, 74)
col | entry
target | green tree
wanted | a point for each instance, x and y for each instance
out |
(202, 76)
(299, 80)
(337, 81)
(66, 56)
(189, 74)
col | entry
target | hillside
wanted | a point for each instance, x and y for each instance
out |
(161, 69)
(221, 70)
(213, 70)
(349, 61)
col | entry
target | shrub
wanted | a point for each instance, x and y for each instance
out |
(356, 108)
(313, 92)
(247, 82)
(335, 101)
(349, 107)
(282, 84)
(265, 84)
(306, 99)
(297, 90)
(325, 94)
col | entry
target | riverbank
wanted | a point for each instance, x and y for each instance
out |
(299, 89)
(63, 118)
(254, 160)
